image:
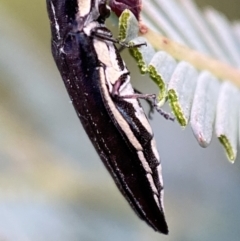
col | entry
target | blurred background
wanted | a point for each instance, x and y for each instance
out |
(53, 185)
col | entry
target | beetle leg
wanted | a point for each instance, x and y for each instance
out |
(152, 98)
(149, 102)
(103, 36)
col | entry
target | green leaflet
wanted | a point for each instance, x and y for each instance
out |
(226, 123)
(128, 26)
(160, 70)
(143, 54)
(176, 108)
(156, 77)
(228, 148)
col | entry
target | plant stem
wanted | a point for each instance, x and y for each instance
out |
(200, 61)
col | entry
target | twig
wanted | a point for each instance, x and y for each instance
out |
(200, 61)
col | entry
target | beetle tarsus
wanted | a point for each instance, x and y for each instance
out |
(152, 100)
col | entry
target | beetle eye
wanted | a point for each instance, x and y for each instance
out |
(104, 11)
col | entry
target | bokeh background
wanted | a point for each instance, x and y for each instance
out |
(53, 185)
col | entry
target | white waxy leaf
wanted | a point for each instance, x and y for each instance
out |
(150, 24)
(158, 18)
(204, 108)
(160, 69)
(224, 34)
(196, 18)
(173, 11)
(142, 54)
(227, 119)
(128, 26)
(209, 26)
(181, 90)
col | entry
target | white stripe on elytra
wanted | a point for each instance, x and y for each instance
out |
(84, 7)
(133, 140)
(55, 22)
(127, 89)
(144, 162)
(121, 121)
(152, 184)
(154, 149)
(107, 55)
(156, 198)
(112, 72)
(159, 170)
